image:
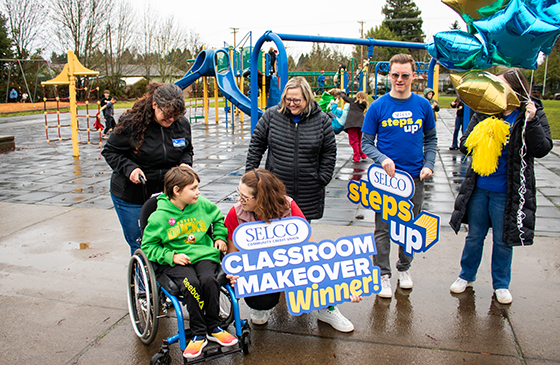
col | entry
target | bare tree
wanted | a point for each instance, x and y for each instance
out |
(169, 36)
(80, 25)
(146, 43)
(118, 38)
(26, 19)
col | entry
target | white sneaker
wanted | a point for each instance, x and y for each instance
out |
(405, 281)
(460, 285)
(335, 319)
(259, 317)
(386, 291)
(503, 296)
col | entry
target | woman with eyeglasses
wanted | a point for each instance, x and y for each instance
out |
(506, 199)
(149, 139)
(262, 197)
(301, 146)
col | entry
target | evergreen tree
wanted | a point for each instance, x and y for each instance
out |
(402, 17)
(5, 42)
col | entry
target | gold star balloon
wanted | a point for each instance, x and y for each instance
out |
(471, 10)
(485, 92)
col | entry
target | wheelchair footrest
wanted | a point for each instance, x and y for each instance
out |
(213, 351)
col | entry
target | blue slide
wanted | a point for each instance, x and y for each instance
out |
(205, 65)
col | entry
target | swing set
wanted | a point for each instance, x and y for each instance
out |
(19, 61)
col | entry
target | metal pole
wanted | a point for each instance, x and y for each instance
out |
(544, 82)
(73, 106)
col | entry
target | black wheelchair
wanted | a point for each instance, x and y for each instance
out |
(150, 296)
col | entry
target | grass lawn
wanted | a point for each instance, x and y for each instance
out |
(551, 108)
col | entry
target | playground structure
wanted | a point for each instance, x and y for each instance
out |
(282, 64)
(217, 64)
(350, 80)
(227, 66)
(68, 76)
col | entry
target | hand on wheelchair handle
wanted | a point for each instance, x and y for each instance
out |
(137, 175)
(181, 259)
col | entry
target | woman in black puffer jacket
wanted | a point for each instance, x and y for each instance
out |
(301, 147)
(149, 139)
(502, 200)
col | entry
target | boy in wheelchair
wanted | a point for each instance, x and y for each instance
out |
(176, 240)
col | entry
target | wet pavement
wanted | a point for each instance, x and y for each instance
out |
(63, 266)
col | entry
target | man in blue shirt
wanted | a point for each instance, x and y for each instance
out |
(399, 133)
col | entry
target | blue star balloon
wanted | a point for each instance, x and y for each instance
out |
(458, 50)
(548, 11)
(515, 36)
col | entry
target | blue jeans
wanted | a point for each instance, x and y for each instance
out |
(129, 217)
(458, 126)
(485, 207)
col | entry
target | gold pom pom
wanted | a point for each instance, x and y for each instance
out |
(485, 143)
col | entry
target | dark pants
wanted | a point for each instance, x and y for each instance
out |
(199, 286)
(263, 302)
(109, 124)
(458, 127)
(383, 241)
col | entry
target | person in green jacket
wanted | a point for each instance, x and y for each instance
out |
(176, 240)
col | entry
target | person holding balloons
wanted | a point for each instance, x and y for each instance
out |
(499, 187)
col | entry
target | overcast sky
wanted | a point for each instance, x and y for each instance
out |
(212, 19)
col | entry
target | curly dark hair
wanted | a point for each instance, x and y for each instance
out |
(168, 97)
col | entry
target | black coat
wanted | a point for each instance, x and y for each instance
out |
(156, 156)
(539, 143)
(355, 118)
(302, 155)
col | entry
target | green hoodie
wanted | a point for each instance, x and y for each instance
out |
(171, 230)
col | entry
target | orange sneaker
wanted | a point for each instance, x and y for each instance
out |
(195, 346)
(222, 337)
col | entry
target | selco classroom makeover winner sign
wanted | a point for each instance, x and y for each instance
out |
(278, 256)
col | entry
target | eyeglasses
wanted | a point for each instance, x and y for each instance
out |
(243, 199)
(396, 75)
(168, 115)
(295, 101)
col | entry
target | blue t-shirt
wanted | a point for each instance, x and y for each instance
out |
(399, 125)
(497, 181)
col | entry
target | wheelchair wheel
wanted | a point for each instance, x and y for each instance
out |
(226, 308)
(143, 297)
(160, 359)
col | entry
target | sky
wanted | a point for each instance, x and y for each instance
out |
(213, 19)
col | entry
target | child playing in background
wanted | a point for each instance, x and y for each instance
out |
(176, 240)
(354, 122)
(429, 94)
(108, 112)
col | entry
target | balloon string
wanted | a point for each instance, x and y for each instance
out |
(522, 183)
